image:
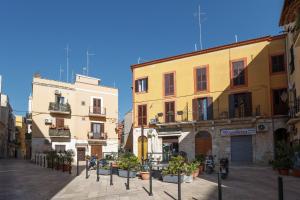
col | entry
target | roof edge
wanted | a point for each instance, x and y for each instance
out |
(209, 50)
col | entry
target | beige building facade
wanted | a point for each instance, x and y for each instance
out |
(81, 116)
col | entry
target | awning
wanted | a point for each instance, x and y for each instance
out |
(168, 134)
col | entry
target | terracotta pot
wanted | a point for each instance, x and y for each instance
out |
(145, 175)
(284, 172)
(115, 165)
(196, 173)
(201, 169)
(296, 172)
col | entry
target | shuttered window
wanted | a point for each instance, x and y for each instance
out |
(60, 123)
(240, 105)
(142, 115)
(277, 63)
(169, 84)
(280, 102)
(141, 85)
(201, 79)
(238, 73)
(97, 129)
(203, 109)
(170, 111)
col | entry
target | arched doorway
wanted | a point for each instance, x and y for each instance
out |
(141, 140)
(203, 143)
(280, 135)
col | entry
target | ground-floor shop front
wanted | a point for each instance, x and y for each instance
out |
(81, 148)
(242, 141)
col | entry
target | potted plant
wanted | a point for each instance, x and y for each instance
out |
(68, 159)
(189, 169)
(104, 170)
(296, 161)
(145, 174)
(128, 161)
(283, 161)
(170, 174)
(200, 159)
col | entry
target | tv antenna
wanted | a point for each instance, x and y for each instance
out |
(67, 54)
(60, 72)
(200, 25)
(236, 38)
(88, 54)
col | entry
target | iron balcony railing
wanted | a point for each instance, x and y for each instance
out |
(59, 132)
(97, 111)
(97, 136)
(294, 110)
(59, 107)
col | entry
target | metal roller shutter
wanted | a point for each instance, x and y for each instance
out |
(241, 149)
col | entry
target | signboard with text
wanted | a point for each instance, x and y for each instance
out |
(234, 132)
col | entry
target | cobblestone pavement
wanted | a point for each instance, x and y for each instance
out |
(24, 180)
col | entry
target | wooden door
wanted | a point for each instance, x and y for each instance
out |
(81, 153)
(96, 150)
(97, 106)
(140, 147)
(203, 143)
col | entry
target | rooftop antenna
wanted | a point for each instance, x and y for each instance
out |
(195, 46)
(67, 53)
(88, 61)
(236, 38)
(84, 70)
(60, 72)
(200, 25)
(72, 76)
(139, 59)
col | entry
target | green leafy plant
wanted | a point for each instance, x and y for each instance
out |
(145, 168)
(69, 154)
(176, 163)
(128, 161)
(106, 167)
(200, 159)
(283, 156)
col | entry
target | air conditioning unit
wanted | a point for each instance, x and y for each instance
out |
(48, 121)
(262, 127)
(153, 121)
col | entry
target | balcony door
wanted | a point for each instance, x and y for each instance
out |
(97, 129)
(97, 106)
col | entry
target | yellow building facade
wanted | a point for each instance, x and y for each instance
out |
(213, 101)
(21, 130)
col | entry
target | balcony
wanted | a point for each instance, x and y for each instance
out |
(97, 138)
(294, 112)
(60, 132)
(58, 108)
(97, 111)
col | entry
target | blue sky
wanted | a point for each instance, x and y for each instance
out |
(34, 33)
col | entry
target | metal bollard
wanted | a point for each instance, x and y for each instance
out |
(86, 169)
(111, 171)
(127, 185)
(52, 165)
(150, 181)
(219, 187)
(70, 167)
(77, 173)
(63, 163)
(280, 188)
(97, 171)
(179, 184)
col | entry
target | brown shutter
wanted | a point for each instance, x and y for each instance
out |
(167, 84)
(171, 87)
(136, 86)
(248, 104)
(101, 129)
(195, 109)
(231, 105)
(139, 115)
(166, 111)
(210, 110)
(60, 123)
(146, 82)
(173, 111)
(145, 115)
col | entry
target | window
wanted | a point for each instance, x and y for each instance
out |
(142, 115)
(97, 129)
(60, 148)
(170, 111)
(60, 122)
(203, 109)
(238, 73)
(201, 79)
(277, 63)
(169, 84)
(141, 85)
(292, 62)
(240, 105)
(96, 106)
(280, 102)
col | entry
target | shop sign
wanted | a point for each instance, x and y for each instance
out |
(233, 132)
